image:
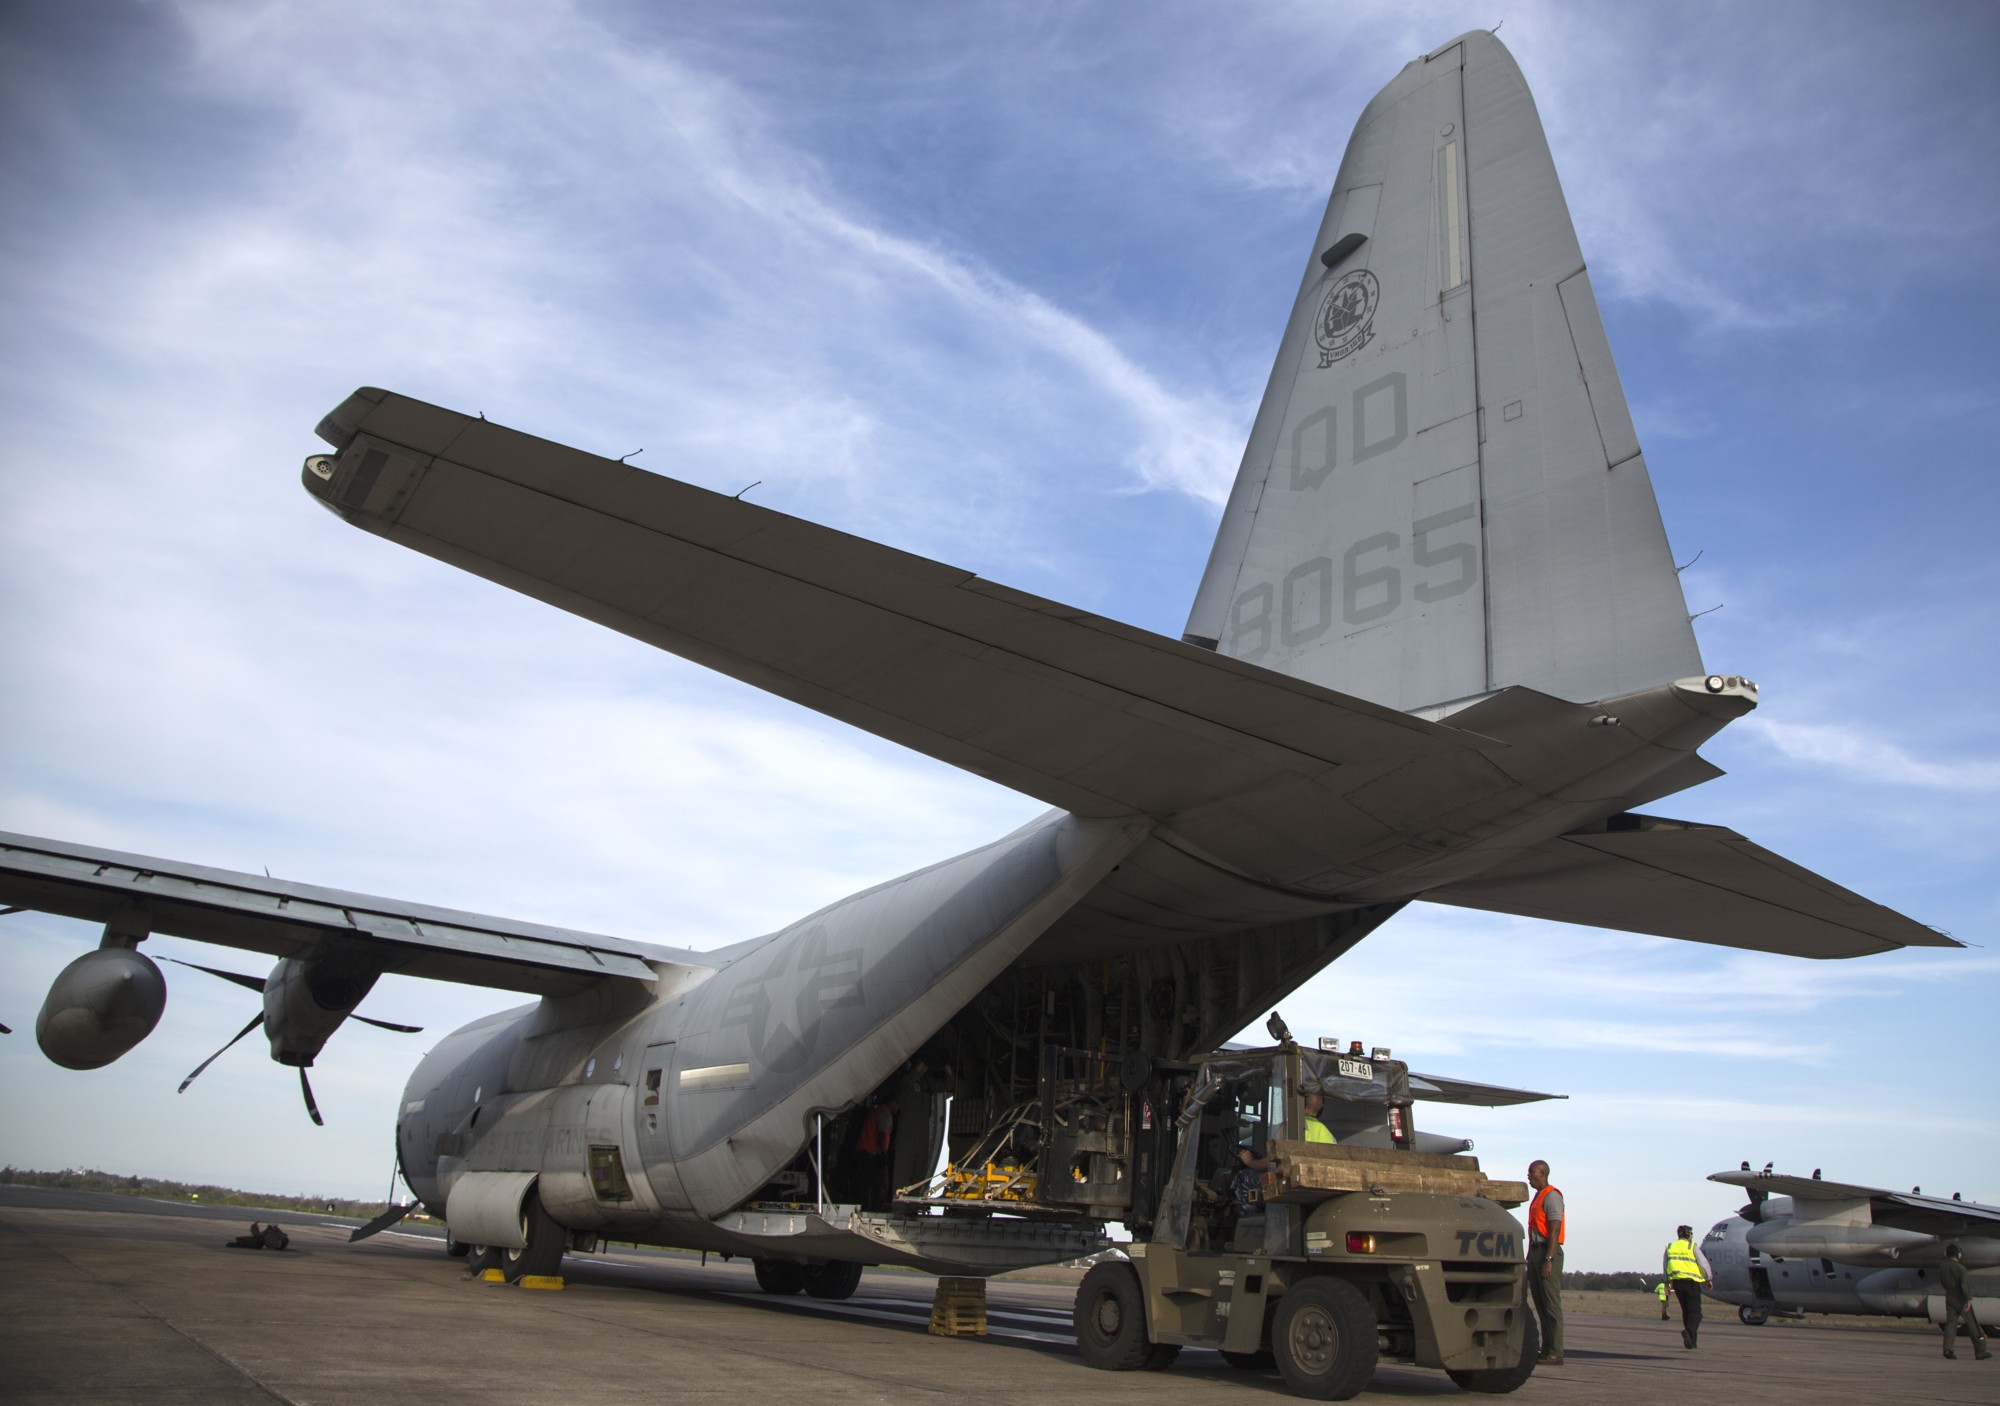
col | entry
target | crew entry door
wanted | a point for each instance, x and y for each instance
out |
(652, 1111)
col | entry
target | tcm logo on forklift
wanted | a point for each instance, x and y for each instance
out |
(1494, 1244)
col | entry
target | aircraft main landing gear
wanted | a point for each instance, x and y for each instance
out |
(836, 1279)
(779, 1276)
(1753, 1317)
(480, 1258)
(543, 1253)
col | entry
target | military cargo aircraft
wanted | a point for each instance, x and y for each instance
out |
(1803, 1245)
(1439, 652)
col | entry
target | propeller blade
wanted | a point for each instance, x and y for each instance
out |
(255, 983)
(381, 1222)
(388, 1025)
(218, 1054)
(6, 1030)
(5, 911)
(306, 1088)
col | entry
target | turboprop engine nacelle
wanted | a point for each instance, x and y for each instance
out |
(100, 1006)
(306, 999)
(1846, 1243)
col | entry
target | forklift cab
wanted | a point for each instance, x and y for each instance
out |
(1239, 1106)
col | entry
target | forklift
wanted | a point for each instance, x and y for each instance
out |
(1256, 1233)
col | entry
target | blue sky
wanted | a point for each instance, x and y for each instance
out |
(997, 285)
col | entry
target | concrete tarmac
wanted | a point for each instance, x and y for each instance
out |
(143, 1303)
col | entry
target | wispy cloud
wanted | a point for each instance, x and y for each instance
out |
(1692, 185)
(1833, 1115)
(1871, 757)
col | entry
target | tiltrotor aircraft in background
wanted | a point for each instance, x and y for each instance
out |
(1803, 1245)
(1439, 652)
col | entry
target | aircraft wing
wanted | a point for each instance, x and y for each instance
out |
(1805, 1188)
(1084, 713)
(1703, 883)
(1436, 1088)
(1931, 1215)
(284, 919)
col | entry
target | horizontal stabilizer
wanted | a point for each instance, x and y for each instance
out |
(1096, 717)
(1437, 1088)
(1702, 883)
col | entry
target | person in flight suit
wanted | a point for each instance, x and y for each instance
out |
(1958, 1305)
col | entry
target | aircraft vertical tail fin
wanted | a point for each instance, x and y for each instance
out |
(1443, 494)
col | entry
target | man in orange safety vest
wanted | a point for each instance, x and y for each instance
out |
(1548, 1224)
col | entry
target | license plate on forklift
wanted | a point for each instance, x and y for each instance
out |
(1356, 1069)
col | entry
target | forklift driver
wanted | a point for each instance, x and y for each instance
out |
(1246, 1180)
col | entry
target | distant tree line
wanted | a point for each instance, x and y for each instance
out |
(90, 1179)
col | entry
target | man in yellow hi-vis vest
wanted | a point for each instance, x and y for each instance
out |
(1660, 1293)
(1315, 1103)
(1686, 1268)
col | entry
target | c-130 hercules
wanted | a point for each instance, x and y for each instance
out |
(1440, 652)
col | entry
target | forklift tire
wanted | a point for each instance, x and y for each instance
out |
(1110, 1321)
(1324, 1339)
(779, 1276)
(1498, 1381)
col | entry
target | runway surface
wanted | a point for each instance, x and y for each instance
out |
(112, 1299)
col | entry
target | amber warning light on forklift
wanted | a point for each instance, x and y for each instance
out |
(1360, 1242)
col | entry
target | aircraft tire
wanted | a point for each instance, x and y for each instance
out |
(480, 1258)
(1753, 1317)
(836, 1279)
(779, 1276)
(546, 1243)
(1324, 1339)
(1497, 1381)
(1110, 1322)
(454, 1246)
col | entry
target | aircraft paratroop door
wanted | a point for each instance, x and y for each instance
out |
(652, 1109)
